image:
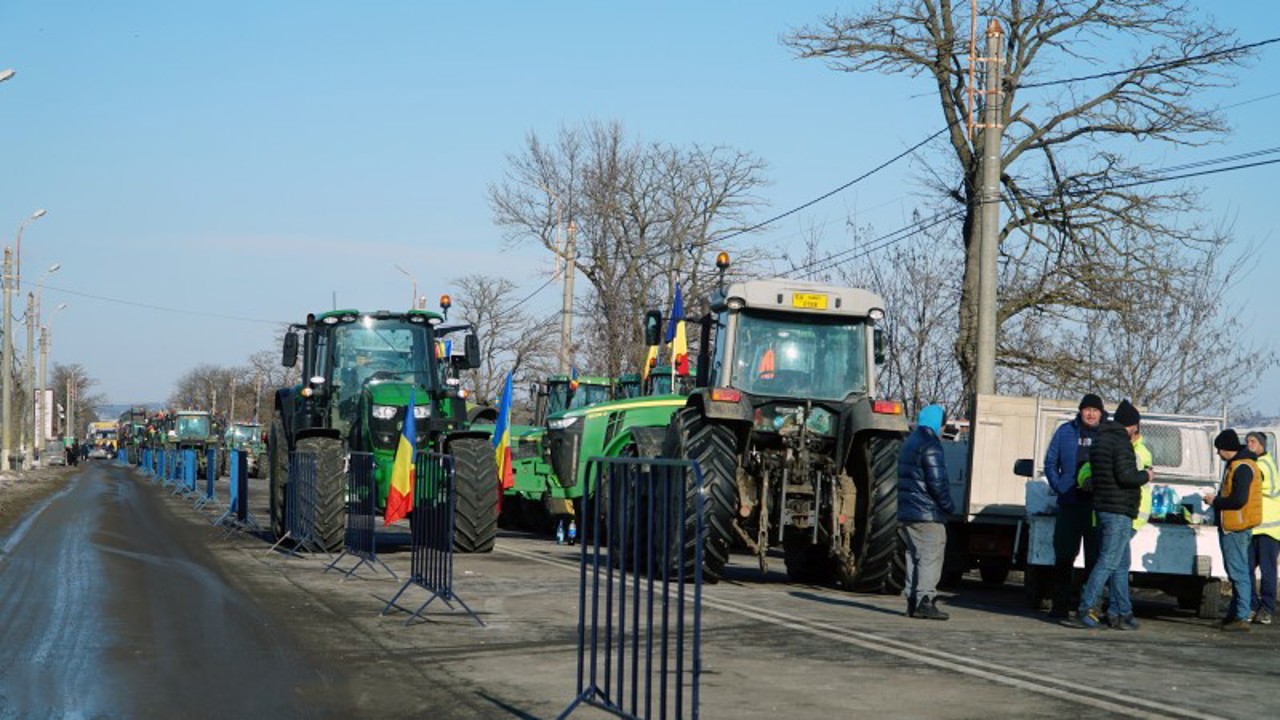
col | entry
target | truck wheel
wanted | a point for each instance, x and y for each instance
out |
(713, 446)
(1210, 607)
(475, 495)
(878, 563)
(330, 526)
(993, 572)
(278, 452)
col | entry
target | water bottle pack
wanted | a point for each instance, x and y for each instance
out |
(1166, 504)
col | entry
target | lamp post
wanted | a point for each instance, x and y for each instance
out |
(46, 339)
(17, 246)
(33, 321)
(6, 74)
(412, 279)
(6, 367)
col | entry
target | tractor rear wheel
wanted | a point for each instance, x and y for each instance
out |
(690, 436)
(877, 563)
(278, 473)
(475, 495)
(330, 522)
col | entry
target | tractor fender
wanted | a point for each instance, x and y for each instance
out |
(735, 415)
(482, 415)
(460, 434)
(647, 439)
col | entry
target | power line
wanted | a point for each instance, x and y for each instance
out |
(1186, 59)
(161, 308)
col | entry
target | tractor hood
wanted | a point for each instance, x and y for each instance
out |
(396, 393)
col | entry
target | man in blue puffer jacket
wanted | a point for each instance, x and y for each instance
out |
(924, 502)
(1068, 452)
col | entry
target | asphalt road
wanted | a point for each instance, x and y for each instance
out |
(122, 601)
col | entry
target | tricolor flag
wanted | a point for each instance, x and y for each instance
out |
(400, 494)
(676, 336)
(650, 361)
(502, 439)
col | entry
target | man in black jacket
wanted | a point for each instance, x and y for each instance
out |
(924, 502)
(1117, 492)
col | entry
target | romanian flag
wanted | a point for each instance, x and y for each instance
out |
(650, 361)
(676, 336)
(573, 380)
(502, 439)
(400, 494)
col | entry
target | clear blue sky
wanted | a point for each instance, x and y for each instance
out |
(252, 159)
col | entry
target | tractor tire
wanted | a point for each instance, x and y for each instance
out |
(878, 563)
(713, 446)
(475, 495)
(330, 526)
(278, 474)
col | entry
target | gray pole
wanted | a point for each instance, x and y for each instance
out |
(28, 390)
(989, 269)
(43, 420)
(566, 320)
(6, 404)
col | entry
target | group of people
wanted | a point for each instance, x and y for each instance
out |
(1097, 466)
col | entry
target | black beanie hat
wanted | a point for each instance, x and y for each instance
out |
(1227, 440)
(1126, 414)
(1092, 401)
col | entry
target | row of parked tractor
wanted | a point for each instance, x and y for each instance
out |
(139, 428)
(781, 411)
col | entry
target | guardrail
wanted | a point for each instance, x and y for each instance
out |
(640, 589)
(431, 557)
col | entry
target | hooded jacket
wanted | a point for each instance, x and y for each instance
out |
(1117, 481)
(924, 490)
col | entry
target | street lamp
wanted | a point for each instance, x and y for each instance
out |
(17, 248)
(413, 280)
(6, 74)
(33, 321)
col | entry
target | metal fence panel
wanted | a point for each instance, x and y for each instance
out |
(360, 539)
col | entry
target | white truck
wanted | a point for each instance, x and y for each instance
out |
(1008, 509)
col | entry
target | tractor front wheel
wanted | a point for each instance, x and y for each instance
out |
(330, 522)
(475, 495)
(278, 473)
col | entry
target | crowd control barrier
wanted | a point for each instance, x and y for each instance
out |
(237, 515)
(640, 589)
(431, 558)
(362, 508)
(210, 477)
(122, 456)
(300, 504)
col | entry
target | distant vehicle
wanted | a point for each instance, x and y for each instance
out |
(54, 453)
(99, 452)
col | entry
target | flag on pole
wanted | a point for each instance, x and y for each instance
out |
(676, 336)
(502, 439)
(400, 494)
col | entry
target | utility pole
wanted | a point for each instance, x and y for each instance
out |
(6, 404)
(989, 213)
(29, 384)
(43, 419)
(566, 319)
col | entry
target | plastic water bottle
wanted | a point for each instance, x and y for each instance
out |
(560, 533)
(573, 532)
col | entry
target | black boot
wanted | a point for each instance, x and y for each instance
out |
(911, 606)
(927, 610)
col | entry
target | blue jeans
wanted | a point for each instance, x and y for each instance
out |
(1264, 551)
(1235, 555)
(1112, 568)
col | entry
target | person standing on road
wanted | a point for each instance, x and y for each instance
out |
(1068, 452)
(924, 502)
(1117, 492)
(1239, 507)
(1264, 546)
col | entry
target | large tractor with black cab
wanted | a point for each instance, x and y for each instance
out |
(359, 372)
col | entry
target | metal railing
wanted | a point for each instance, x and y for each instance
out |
(360, 539)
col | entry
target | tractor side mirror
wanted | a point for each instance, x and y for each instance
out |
(877, 344)
(652, 327)
(290, 357)
(1026, 467)
(471, 348)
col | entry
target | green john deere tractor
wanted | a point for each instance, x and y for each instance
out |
(193, 430)
(359, 371)
(797, 449)
(247, 437)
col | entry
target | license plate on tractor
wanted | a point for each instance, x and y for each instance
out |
(810, 301)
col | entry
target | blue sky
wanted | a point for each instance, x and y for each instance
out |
(223, 167)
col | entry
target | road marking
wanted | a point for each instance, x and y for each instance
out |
(1119, 703)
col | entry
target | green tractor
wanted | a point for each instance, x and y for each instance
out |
(248, 438)
(359, 372)
(797, 450)
(193, 430)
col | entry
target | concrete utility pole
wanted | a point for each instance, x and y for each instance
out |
(42, 409)
(6, 404)
(566, 319)
(989, 214)
(29, 384)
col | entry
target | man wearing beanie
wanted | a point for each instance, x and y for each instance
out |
(1117, 491)
(1264, 546)
(1068, 452)
(1239, 507)
(924, 502)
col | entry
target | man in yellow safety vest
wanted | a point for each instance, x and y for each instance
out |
(1264, 546)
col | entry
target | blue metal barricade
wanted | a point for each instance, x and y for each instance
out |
(237, 515)
(210, 477)
(640, 589)
(431, 558)
(362, 506)
(300, 504)
(122, 456)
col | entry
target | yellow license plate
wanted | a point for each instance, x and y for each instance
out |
(812, 301)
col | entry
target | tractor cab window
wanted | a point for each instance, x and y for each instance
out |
(193, 426)
(588, 395)
(557, 397)
(244, 433)
(785, 355)
(373, 349)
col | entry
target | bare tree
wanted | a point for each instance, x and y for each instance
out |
(1081, 218)
(74, 378)
(511, 339)
(646, 216)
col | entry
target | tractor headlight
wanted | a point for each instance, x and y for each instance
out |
(562, 423)
(384, 412)
(421, 411)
